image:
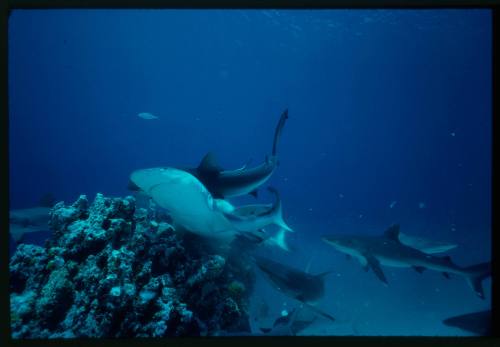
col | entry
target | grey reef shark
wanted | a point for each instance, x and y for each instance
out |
(251, 220)
(192, 207)
(30, 220)
(230, 183)
(253, 217)
(299, 285)
(289, 325)
(387, 249)
(477, 322)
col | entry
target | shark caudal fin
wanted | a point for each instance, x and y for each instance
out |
(279, 240)
(476, 275)
(277, 211)
(279, 129)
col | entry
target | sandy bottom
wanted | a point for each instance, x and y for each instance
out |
(412, 304)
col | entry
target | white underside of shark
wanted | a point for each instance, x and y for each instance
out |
(186, 199)
(192, 206)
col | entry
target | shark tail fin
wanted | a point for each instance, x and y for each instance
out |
(279, 129)
(279, 240)
(278, 213)
(477, 273)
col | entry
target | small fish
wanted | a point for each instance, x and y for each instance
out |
(393, 204)
(146, 115)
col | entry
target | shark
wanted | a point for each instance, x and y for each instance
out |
(251, 222)
(299, 285)
(375, 251)
(258, 216)
(248, 241)
(478, 323)
(230, 183)
(192, 207)
(186, 199)
(288, 325)
(28, 220)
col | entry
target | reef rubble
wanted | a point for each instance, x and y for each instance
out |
(112, 269)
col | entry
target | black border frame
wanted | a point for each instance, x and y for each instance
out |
(9, 5)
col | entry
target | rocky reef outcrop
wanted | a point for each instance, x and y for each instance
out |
(114, 270)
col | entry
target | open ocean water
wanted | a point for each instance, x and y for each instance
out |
(389, 122)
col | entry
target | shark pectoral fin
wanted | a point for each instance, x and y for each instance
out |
(254, 193)
(279, 240)
(419, 269)
(374, 264)
(446, 275)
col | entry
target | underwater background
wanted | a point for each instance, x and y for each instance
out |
(389, 122)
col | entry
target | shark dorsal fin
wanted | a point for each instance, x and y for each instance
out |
(209, 164)
(393, 232)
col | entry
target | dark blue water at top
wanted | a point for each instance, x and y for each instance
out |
(384, 106)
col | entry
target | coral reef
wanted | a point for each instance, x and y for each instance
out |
(114, 270)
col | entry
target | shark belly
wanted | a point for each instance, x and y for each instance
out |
(186, 199)
(191, 210)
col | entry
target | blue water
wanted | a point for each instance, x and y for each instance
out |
(384, 106)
